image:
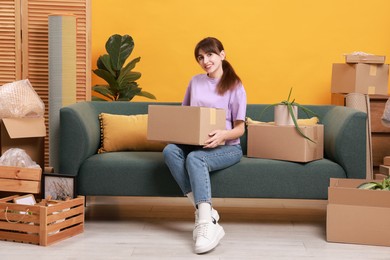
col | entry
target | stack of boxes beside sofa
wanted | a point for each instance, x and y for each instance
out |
(356, 215)
(21, 218)
(369, 76)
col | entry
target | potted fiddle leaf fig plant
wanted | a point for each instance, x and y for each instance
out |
(121, 80)
(291, 108)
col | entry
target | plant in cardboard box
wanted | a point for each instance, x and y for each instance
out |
(122, 85)
(376, 185)
(286, 113)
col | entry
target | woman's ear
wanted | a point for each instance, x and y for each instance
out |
(222, 54)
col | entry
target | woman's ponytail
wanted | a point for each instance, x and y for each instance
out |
(229, 79)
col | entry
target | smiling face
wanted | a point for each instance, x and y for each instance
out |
(211, 63)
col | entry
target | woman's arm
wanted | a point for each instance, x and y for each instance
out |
(219, 136)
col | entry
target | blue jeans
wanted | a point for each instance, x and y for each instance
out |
(191, 166)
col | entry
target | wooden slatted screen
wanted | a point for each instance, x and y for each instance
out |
(10, 41)
(29, 20)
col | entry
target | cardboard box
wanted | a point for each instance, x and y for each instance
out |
(370, 59)
(386, 160)
(24, 133)
(183, 124)
(284, 142)
(357, 216)
(360, 78)
(47, 222)
(384, 169)
(18, 179)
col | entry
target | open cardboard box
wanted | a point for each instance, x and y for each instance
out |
(284, 143)
(183, 124)
(24, 133)
(357, 216)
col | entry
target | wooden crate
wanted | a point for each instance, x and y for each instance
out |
(42, 224)
(20, 179)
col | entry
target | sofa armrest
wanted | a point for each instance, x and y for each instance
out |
(345, 138)
(79, 136)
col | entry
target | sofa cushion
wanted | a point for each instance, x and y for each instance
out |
(145, 174)
(126, 133)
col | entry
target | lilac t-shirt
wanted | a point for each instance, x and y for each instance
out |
(202, 92)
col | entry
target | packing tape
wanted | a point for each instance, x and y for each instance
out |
(371, 90)
(213, 116)
(373, 70)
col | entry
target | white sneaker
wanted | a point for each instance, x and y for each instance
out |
(208, 236)
(214, 215)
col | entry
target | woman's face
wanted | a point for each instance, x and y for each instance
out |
(211, 63)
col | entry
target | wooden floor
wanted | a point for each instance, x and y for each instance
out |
(161, 228)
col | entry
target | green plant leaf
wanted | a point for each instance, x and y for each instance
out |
(130, 77)
(103, 90)
(127, 69)
(368, 186)
(307, 111)
(128, 93)
(104, 63)
(146, 94)
(267, 107)
(95, 98)
(119, 48)
(106, 75)
(291, 112)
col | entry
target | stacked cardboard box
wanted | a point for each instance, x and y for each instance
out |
(384, 169)
(365, 74)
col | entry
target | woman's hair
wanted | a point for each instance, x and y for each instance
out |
(229, 79)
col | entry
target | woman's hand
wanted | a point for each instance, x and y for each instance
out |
(216, 137)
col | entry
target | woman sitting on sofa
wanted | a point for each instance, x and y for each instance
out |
(191, 165)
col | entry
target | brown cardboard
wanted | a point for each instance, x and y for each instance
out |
(24, 133)
(357, 216)
(183, 124)
(360, 78)
(384, 169)
(284, 142)
(386, 160)
(371, 59)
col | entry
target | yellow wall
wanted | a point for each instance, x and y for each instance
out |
(272, 44)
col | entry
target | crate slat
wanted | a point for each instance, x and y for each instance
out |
(9, 185)
(20, 173)
(70, 232)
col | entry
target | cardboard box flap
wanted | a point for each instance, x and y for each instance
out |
(25, 127)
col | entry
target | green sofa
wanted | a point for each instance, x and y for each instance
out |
(135, 173)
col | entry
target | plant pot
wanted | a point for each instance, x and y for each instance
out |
(282, 115)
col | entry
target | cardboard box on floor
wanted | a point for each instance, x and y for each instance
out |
(24, 133)
(357, 216)
(284, 142)
(360, 78)
(183, 124)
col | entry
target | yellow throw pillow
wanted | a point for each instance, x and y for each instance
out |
(126, 133)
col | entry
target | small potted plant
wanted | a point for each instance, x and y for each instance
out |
(286, 113)
(122, 85)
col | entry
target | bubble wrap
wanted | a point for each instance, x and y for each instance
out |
(19, 99)
(18, 158)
